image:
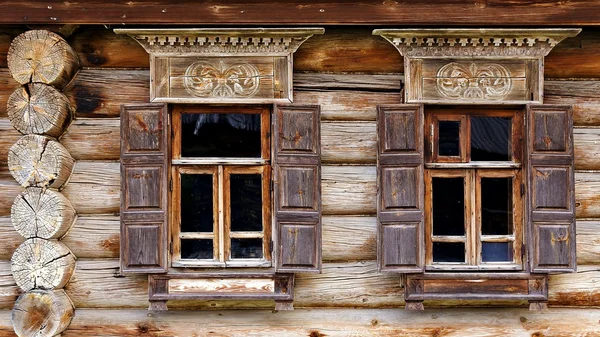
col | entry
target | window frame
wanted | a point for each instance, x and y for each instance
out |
(473, 171)
(221, 168)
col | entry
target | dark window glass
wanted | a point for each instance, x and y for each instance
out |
(496, 206)
(449, 132)
(246, 248)
(496, 251)
(197, 249)
(246, 202)
(448, 252)
(448, 206)
(220, 135)
(490, 138)
(197, 203)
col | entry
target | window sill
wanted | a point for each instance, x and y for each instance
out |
(220, 161)
(466, 268)
(479, 164)
(221, 286)
(476, 286)
(247, 263)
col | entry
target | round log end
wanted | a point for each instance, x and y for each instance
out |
(42, 213)
(42, 264)
(40, 161)
(42, 56)
(39, 109)
(42, 313)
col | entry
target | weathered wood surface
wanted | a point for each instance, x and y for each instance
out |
(100, 93)
(40, 161)
(42, 313)
(42, 213)
(39, 108)
(346, 190)
(464, 322)
(42, 56)
(345, 238)
(97, 284)
(42, 264)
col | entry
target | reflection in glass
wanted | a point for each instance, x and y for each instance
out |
(490, 138)
(448, 200)
(246, 202)
(496, 206)
(449, 139)
(220, 135)
(246, 248)
(197, 203)
(496, 251)
(197, 249)
(448, 252)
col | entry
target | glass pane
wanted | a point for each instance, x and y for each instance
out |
(246, 202)
(496, 251)
(246, 248)
(220, 135)
(490, 138)
(197, 249)
(496, 206)
(448, 252)
(449, 132)
(448, 206)
(197, 203)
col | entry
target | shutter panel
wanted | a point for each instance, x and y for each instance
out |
(144, 154)
(297, 187)
(400, 198)
(551, 197)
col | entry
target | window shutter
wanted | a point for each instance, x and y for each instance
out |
(551, 197)
(144, 153)
(297, 187)
(400, 197)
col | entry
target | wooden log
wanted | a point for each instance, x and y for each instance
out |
(42, 213)
(42, 264)
(42, 56)
(40, 109)
(41, 313)
(40, 161)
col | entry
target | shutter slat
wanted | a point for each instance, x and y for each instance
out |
(297, 188)
(144, 153)
(551, 198)
(400, 200)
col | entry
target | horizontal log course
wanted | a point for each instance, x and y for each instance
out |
(346, 190)
(345, 238)
(468, 322)
(98, 284)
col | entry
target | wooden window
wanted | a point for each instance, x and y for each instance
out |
(221, 195)
(473, 189)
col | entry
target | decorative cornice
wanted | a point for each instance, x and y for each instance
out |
(475, 42)
(221, 42)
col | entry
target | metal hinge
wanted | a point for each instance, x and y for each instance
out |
(522, 189)
(523, 249)
(272, 186)
(171, 247)
(171, 185)
(431, 139)
(271, 246)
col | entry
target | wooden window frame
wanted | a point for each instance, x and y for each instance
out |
(461, 166)
(221, 168)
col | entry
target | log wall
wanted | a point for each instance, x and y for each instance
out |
(348, 72)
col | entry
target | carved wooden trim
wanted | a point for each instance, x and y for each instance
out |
(474, 66)
(230, 65)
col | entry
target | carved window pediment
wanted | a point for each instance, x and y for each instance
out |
(251, 65)
(474, 66)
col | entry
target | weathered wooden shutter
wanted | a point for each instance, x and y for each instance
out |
(551, 197)
(400, 196)
(297, 187)
(144, 153)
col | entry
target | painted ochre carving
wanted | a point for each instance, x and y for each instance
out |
(207, 79)
(462, 80)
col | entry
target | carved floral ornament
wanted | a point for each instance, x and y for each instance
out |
(463, 80)
(219, 79)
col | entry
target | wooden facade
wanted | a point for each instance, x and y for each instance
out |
(351, 81)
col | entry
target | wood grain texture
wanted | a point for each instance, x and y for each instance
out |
(335, 323)
(97, 284)
(42, 313)
(242, 12)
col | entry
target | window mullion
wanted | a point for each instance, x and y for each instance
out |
(473, 216)
(221, 207)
